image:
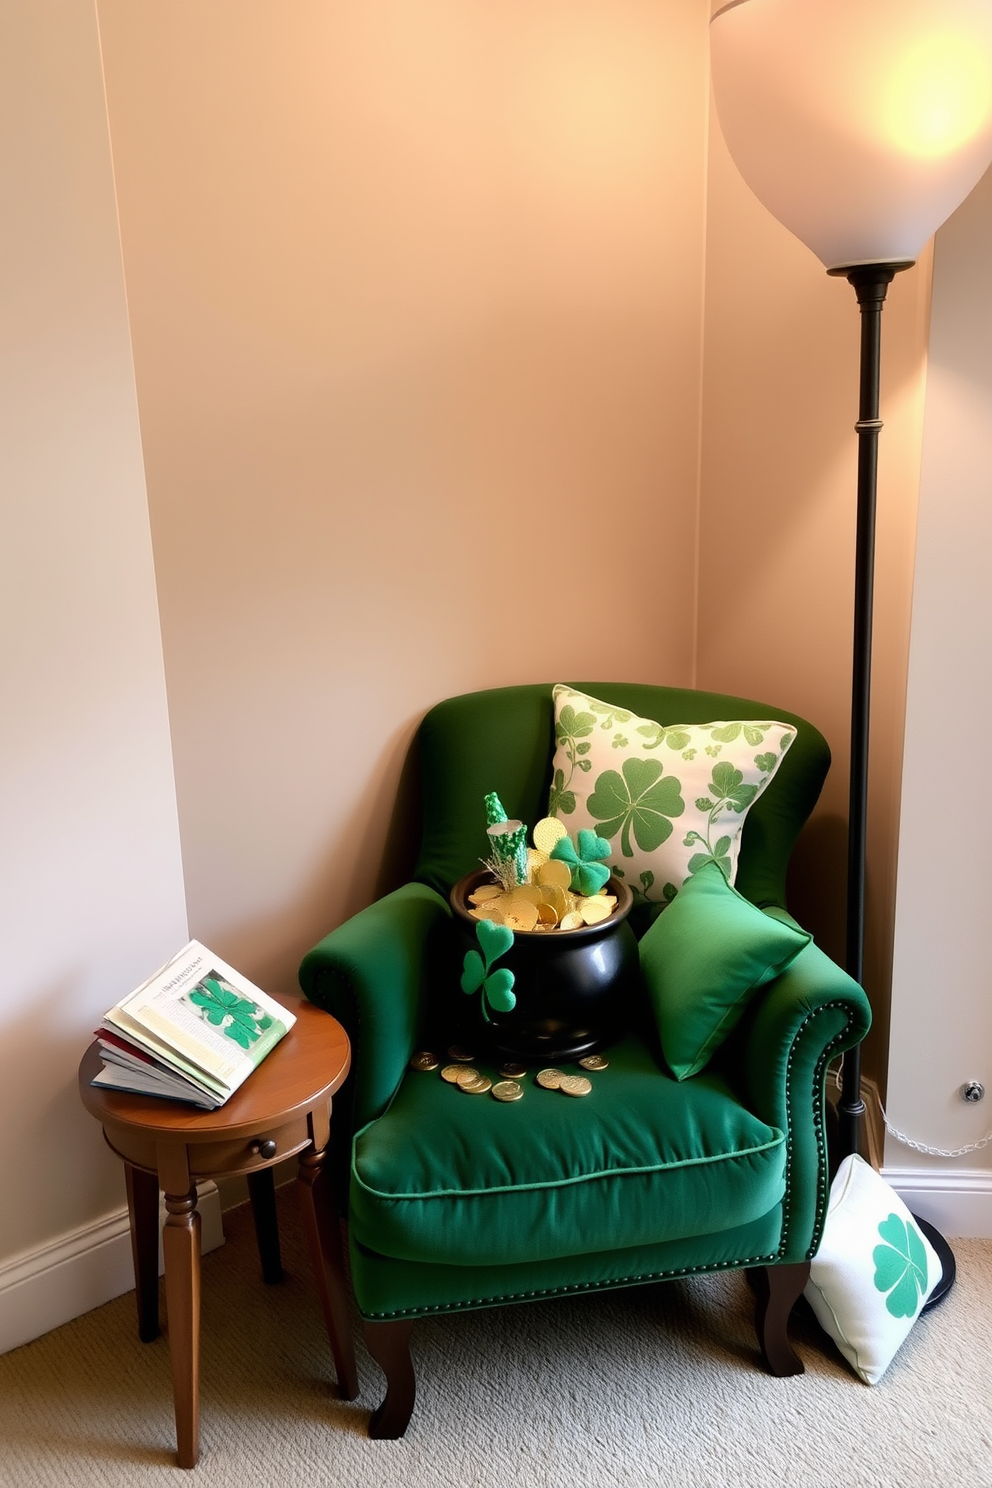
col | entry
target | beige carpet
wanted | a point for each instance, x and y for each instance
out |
(652, 1386)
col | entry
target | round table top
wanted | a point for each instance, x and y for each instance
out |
(304, 1068)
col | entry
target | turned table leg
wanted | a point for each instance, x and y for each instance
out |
(323, 1233)
(181, 1243)
(142, 1212)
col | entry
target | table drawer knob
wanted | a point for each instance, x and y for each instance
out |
(264, 1149)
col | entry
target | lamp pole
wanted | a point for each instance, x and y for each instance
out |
(860, 127)
(871, 283)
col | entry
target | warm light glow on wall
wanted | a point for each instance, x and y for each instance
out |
(938, 96)
(860, 124)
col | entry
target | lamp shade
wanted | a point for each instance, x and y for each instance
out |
(860, 124)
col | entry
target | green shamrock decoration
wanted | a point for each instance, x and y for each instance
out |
(754, 733)
(655, 735)
(236, 1017)
(638, 800)
(589, 872)
(900, 1266)
(729, 793)
(561, 800)
(571, 731)
(497, 986)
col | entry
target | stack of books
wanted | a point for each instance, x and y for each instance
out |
(192, 1032)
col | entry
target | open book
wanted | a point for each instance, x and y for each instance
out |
(194, 1031)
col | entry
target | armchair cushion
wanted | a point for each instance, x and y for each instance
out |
(703, 957)
(459, 1179)
(667, 798)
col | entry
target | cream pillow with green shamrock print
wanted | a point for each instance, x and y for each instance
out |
(873, 1272)
(668, 798)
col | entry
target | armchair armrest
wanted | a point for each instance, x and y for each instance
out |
(369, 973)
(807, 1016)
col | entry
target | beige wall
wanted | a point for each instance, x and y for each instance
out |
(415, 297)
(777, 515)
(410, 289)
(941, 1009)
(92, 894)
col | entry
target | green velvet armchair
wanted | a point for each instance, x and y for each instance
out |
(462, 1202)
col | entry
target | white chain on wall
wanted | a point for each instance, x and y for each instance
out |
(922, 1146)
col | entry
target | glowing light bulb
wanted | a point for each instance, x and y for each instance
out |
(938, 97)
(861, 124)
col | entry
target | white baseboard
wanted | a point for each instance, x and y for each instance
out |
(81, 1270)
(957, 1201)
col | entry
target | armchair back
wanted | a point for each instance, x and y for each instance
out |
(503, 740)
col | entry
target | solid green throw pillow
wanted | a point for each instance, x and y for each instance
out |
(702, 958)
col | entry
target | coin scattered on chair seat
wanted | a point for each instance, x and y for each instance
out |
(575, 1085)
(463, 1056)
(508, 1090)
(466, 1074)
(549, 1079)
(513, 1071)
(478, 1086)
(595, 1062)
(424, 1061)
(451, 1073)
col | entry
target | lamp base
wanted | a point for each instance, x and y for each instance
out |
(948, 1264)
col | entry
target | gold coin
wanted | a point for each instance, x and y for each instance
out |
(478, 1086)
(549, 830)
(508, 1090)
(512, 1071)
(485, 891)
(424, 1061)
(549, 1079)
(594, 911)
(595, 1062)
(520, 916)
(526, 892)
(572, 921)
(556, 898)
(451, 1073)
(575, 1085)
(554, 871)
(491, 910)
(466, 1074)
(461, 1054)
(547, 917)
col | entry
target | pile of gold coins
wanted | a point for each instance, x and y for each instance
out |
(545, 901)
(509, 1087)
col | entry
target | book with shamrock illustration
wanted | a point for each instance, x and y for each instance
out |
(194, 1031)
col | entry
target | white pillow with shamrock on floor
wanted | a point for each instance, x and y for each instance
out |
(873, 1272)
(668, 798)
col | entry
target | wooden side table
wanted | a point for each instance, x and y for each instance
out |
(282, 1109)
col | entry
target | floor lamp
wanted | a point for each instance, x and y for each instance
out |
(860, 125)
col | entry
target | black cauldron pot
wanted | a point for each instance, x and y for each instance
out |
(573, 988)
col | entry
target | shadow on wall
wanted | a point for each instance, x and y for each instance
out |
(816, 882)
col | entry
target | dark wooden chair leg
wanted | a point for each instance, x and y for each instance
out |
(142, 1208)
(777, 1289)
(262, 1192)
(389, 1345)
